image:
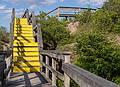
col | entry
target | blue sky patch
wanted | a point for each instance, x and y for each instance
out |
(39, 5)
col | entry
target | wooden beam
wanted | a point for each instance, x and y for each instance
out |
(66, 77)
(58, 74)
(53, 74)
(47, 70)
(84, 78)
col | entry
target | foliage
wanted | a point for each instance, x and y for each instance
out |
(84, 17)
(106, 20)
(72, 83)
(97, 53)
(59, 83)
(53, 31)
(98, 56)
(112, 5)
(4, 36)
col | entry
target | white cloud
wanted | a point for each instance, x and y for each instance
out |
(48, 2)
(61, 0)
(33, 6)
(98, 2)
(34, 3)
(4, 9)
(2, 6)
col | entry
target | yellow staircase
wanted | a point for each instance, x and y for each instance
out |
(25, 49)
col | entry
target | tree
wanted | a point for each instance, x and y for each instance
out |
(98, 55)
(97, 51)
(53, 31)
(4, 36)
(84, 17)
(112, 5)
(108, 17)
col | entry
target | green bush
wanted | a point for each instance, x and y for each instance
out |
(98, 55)
(4, 36)
(53, 31)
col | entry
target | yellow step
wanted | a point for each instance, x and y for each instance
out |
(26, 69)
(26, 64)
(23, 38)
(25, 35)
(22, 54)
(21, 21)
(25, 58)
(24, 44)
(25, 49)
(24, 41)
(23, 31)
(23, 27)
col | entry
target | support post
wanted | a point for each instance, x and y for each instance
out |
(66, 77)
(40, 42)
(53, 74)
(5, 47)
(47, 70)
(27, 14)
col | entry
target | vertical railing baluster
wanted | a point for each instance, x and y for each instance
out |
(53, 74)
(27, 14)
(66, 77)
(47, 70)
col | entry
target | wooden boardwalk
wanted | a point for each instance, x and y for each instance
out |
(27, 80)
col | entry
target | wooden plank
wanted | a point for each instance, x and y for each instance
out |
(58, 52)
(58, 74)
(47, 70)
(53, 74)
(84, 78)
(66, 77)
(52, 55)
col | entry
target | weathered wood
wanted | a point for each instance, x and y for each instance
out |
(53, 74)
(47, 70)
(55, 54)
(58, 74)
(52, 55)
(12, 28)
(84, 78)
(66, 77)
(26, 14)
(58, 52)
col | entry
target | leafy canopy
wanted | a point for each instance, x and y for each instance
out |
(53, 31)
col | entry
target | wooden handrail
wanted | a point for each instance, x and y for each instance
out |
(84, 78)
(69, 71)
(54, 57)
(26, 14)
(32, 19)
(12, 28)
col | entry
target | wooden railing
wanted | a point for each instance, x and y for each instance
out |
(52, 61)
(12, 28)
(6, 63)
(32, 19)
(58, 63)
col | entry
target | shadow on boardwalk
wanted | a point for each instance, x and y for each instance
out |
(26, 80)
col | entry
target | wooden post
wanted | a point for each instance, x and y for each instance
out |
(27, 14)
(53, 74)
(66, 77)
(47, 70)
(5, 47)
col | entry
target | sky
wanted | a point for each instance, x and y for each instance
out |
(39, 5)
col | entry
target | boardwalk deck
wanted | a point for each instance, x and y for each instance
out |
(27, 80)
